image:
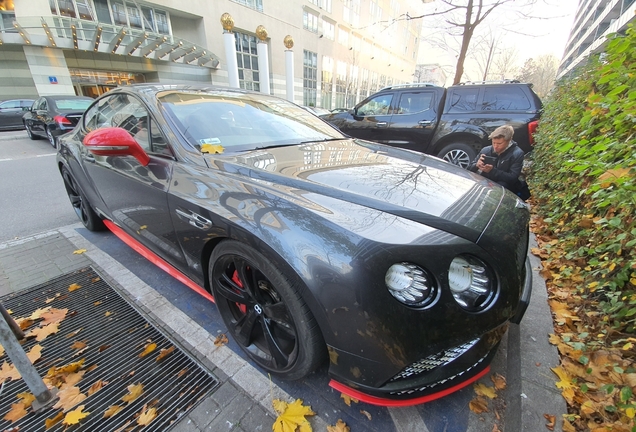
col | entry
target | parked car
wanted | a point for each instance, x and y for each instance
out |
(452, 123)
(11, 112)
(52, 116)
(316, 110)
(401, 270)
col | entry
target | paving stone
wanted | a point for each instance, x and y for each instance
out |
(204, 413)
(257, 420)
(232, 414)
(224, 394)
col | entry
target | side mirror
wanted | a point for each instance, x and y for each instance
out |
(114, 141)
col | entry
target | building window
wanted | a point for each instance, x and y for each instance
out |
(341, 85)
(364, 84)
(326, 84)
(310, 77)
(252, 4)
(310, 22)
(328, 29)
(247, 60)
(326, 5)
(343, 37)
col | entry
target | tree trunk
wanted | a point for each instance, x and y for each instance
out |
(466, 36)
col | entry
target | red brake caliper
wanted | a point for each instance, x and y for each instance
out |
(236, 280)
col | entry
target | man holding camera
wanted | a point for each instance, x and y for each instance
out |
(502, 162)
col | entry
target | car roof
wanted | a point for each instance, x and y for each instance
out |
(60, 97)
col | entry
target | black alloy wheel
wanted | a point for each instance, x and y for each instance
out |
(30, 132)
(80, 204)
(51, 138)
(264, 312)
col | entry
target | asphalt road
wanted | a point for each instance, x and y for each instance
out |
(32, 194)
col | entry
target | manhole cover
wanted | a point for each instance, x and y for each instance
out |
(115, 336)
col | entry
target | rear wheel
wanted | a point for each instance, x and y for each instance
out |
(30, 133)
(459, 154)
(80, 204)
(264, 311)
(51, 138)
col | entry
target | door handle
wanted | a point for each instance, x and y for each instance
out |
(194, 219)
(381, 124)
(425, 122)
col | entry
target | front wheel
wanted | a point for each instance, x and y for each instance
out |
(80, 204)
(459, 154)
(264, 311)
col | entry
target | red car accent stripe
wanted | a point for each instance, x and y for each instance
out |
(374, 400)
(156, 260)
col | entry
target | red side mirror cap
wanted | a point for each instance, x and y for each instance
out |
(114, 141)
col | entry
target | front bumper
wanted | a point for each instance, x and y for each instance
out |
(526, 291)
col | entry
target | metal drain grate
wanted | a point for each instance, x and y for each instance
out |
(172, 386)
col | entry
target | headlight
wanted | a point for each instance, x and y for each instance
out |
(471, 282)
(410, 284)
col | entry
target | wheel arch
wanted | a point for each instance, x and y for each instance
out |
(476, 141)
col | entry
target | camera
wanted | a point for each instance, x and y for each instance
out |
(489, 160)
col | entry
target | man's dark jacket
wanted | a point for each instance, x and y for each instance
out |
(507, 168)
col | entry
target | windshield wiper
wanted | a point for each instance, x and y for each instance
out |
(321, 140)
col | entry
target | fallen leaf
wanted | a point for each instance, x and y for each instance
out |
(38, 313)
(165, 352)
(134, 391)
(73, 417)
(24, 323)
(50, 422)
(68, 398)
(499, 381)
(478, 405)
(551, 421)
(220, 340)
(27, 398)
(42, 333)
(53, 315)
(17, 411)
(91, 368)
(149, 348)
(73, 334)
(97, 303)
(112, 410)
(182, 372)
(290, 416)
(73, 378)
(495, 428)
(79, 251)
(107, 314)
(1, 351)
(9, 372)
(366, 414)
(147, 416)
(348, 399)
(211, 148)
(96, 279)
(78, 345)
(339, 427)
(484, 390)
(74, 287)
(97, 386)
(35, 353)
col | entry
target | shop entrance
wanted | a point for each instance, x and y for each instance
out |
(94, 83)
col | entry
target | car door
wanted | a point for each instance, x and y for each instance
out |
(135, 195)
(10, 114)
(371, 119)
(414, 120)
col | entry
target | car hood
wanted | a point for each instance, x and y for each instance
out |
(412, 185)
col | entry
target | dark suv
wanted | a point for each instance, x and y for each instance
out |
(452, 123)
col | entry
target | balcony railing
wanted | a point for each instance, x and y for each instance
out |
(78, 34)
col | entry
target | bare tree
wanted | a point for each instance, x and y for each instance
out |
(505, 63)
(541, 72)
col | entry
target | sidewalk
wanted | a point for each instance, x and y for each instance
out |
(243, 401)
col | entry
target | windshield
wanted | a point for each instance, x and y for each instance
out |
(73, 104)
(240, 122)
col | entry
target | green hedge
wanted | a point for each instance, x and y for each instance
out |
(583, 180)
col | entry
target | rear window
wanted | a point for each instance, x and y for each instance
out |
(505, 99)
(73, 104)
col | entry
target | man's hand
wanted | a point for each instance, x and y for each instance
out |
(482, 166)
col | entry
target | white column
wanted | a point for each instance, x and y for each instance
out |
(263, 66)
(289, 74)
(230, 59)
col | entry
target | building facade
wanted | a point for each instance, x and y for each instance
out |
(594, 20)
(343, 50)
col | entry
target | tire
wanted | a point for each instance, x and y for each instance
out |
(459, 154)
(30, 133)
(80, 204)
(264, 311)
(51, 138)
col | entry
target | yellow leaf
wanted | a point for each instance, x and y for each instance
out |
(74, 287)
(35, 353)
(9, 372)
(79, 251)
(220, 340)
(291, 416)
(53, 316)
(348, 399)
(38, 312)
(484, 390)
(149, 348)
(211, 148)
(565, 381)
(478, 405)
(16, 412)
(147, 416)
(97, 386)
(628, 346)
(42, 333)
(50, 422)
(134, 391)
(107, 314)
(72, 379)
(27, 398)
(112, 410)
(73, 417)
(68, 398)
(630, 412)
(78, 345)
(165, 352)
(499, 381)
(339, 427)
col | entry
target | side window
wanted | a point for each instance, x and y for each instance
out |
(414, 102)
(44, 105)
(505, 98)
(157, 141)
(379, 105)
(10, 104)
(26, 104)
(463, 99)
(40, 104)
